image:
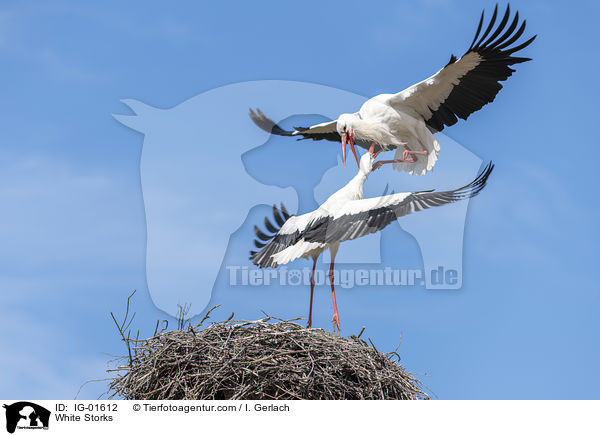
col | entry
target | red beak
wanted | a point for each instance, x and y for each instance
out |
(350, 138)
(351, 141)
(344, 136)
(372, 148)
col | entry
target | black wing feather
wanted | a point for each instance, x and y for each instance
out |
(480, 86)
(268, 125)
(273, 243)
(284, 211)
(367, 222)
(261, 235)
(270, 227)
(280, 221)
(328, 230)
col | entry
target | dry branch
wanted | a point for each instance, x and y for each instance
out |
(258, 360)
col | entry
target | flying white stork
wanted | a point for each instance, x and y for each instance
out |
(407, 120)
(343, 216)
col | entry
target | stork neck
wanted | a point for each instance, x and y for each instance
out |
(353, 190)
(359, 179)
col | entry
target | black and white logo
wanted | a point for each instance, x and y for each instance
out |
(26, 415)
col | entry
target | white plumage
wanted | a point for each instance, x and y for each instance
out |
(406, 121)
(345, 215)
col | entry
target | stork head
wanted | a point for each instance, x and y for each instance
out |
(367, 160)
(345, 127)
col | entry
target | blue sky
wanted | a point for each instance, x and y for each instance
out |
(73, 226)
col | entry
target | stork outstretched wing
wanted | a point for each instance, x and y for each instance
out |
(362, 217)
(299, 235)
(322, 131)
(317, 132)
(470, 82)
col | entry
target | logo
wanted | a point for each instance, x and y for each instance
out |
(26, 415)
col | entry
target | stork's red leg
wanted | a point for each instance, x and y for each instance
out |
(408, 152)
(336, 316)
(312, 288)
(379, 163)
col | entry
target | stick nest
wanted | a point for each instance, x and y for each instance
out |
(254, 360)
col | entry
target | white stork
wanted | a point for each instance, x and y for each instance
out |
(407, 120)
(343, 216)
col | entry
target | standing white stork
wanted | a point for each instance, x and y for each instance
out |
(407, 120)
(343, 216)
